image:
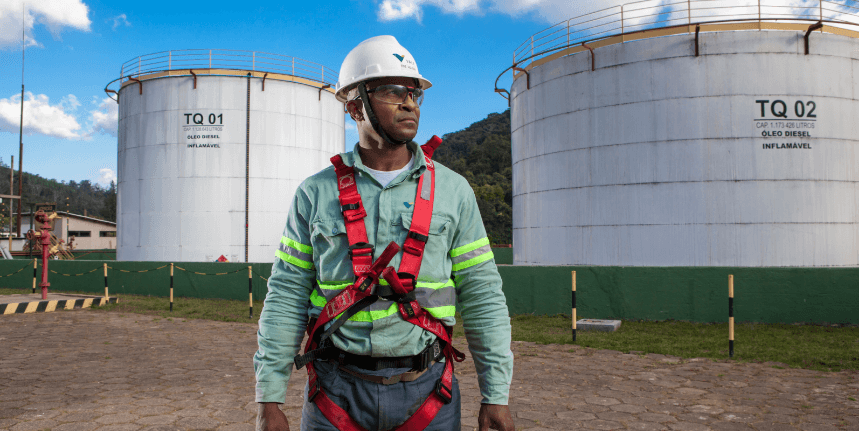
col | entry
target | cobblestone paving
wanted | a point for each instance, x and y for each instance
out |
(88, 370)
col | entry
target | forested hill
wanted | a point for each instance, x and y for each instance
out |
(481, 154)
(97, 201)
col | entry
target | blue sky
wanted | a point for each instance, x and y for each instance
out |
(75, 47)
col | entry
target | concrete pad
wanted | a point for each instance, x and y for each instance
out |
(33, 303)
(597, 325)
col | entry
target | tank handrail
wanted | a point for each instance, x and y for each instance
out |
(629, 18)
(575, 43)
(232, 59)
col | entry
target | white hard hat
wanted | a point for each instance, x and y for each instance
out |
(377, 57)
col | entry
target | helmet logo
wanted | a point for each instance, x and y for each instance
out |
(399, 57)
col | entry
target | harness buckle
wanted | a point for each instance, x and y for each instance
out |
(417, 236)
(445, 397)
(362, 249)
(349, 207)
(314, 388)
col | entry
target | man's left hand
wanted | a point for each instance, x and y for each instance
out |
(496, 417)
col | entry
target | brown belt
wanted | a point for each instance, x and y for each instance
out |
(408, 376)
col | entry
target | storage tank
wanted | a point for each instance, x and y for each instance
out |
(212, 146)
(719, 144)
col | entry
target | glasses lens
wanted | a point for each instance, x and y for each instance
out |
(397, 94)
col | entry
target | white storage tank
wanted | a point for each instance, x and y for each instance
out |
(640, 153)
(212, 146)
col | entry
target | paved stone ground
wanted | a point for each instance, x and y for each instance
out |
(88, 370)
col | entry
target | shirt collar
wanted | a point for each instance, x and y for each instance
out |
(353, 158)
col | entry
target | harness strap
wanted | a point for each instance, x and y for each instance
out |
(357, 296)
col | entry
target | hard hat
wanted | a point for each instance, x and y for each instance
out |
(377, 57)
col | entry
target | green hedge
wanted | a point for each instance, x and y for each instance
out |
(767, 295)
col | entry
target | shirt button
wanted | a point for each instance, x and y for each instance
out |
(334, 231)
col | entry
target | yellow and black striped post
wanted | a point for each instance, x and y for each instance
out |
(105, 281)
(34, 274)
(574, 306)
(171, 287)
(250, 294)
(731, 315)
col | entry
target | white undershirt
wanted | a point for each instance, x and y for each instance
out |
(385, 177)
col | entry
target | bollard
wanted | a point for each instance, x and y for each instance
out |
(171, 287)
(34, 274)
(105, 281)
(574, 306)
(731, 315)
(250, 294)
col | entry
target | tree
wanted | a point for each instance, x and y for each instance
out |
(109, 209)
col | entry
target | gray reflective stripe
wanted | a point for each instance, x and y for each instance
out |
(295, 253)
(428, 298)
(426, 189)
(471, 254)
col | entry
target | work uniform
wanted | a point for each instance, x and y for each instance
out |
(457, 273)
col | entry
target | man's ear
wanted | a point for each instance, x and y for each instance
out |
(355, 109)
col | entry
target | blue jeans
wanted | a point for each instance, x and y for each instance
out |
(375, 406)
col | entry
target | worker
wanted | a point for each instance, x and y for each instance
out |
(379, 252)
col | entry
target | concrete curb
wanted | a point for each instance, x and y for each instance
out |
(69, 302)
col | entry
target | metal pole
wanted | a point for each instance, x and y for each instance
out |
(254, 61)
(532, 46)
(759, 15)
(138, 66)
(250, 294)
(11, 192)
(20, 135)
(574, 306)
(622, 28)
(248, 163)
(169, 60)
(731, 314)
(689, 10)
(210, 59)
(821, 14)
(171, 287)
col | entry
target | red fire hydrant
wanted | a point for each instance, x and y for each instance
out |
(45, 229)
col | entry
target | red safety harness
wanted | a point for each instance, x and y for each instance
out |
(357, 296)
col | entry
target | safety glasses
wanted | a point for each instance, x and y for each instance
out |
(397, 94)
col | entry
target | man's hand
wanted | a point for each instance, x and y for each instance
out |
(496, 417)
(270, 418)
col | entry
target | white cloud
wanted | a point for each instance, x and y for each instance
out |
(549, 10)
(53, 14)
(120, 20)
(555, 11)
(105, 176)
(40, 116)
(104, 119)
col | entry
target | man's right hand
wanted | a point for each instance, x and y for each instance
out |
(271, 418)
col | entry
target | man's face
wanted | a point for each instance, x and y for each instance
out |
(400, 122)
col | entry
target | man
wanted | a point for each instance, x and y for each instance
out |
(389, 366)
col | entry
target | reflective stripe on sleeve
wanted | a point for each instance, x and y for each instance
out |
(295, 253)
(471, 254)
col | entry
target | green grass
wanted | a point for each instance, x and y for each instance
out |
(183, 308)
(822, 348)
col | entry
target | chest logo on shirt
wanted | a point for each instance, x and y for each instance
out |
(346, 181)
(408, 204)
(430, 164)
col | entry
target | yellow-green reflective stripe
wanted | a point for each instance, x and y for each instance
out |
(342, 285)
(473, 261)
(443, 311)
(469, 247)
(294, 260)
(297, 245)
(361, 316)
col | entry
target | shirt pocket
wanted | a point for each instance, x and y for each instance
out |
(435, 264)
(331, 250)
